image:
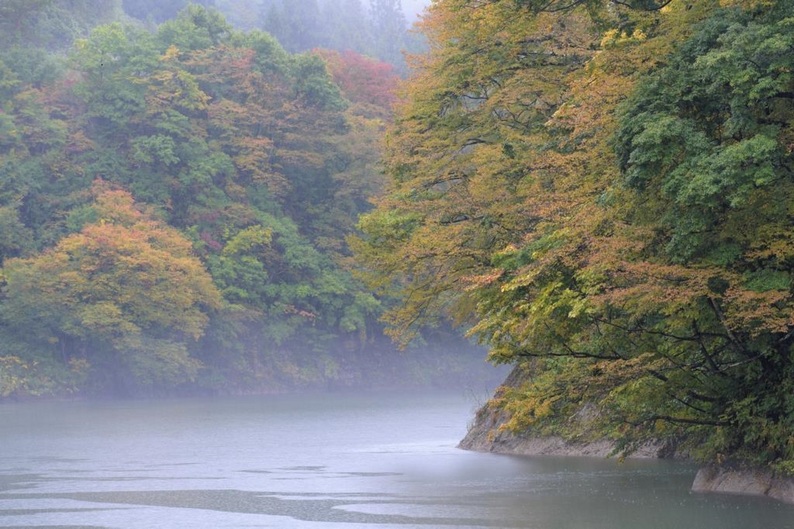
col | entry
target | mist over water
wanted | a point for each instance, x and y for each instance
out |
(342, 460)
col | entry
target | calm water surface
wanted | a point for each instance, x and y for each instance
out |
(336, 461)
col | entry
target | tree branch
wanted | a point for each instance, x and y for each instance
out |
(680, 420)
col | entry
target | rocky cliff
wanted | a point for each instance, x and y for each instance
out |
(487, 435)
(747, 481)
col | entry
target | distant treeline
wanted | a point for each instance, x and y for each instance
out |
(376, 28)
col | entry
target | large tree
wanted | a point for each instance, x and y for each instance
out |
(601, 188)
(125, 294)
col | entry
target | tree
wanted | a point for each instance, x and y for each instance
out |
(633, 279)
(708, 150)
(297, 24)
(196, 27)
(17, 16)
(110, 60)
(159, 11)
(389, 30)
(242, 14)
(254, 155)
(464, 155)
(52, 24)
(125, 294)
(347, 26)
(362, 79)
(376, 29)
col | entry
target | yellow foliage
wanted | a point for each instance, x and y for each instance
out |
(171, 54)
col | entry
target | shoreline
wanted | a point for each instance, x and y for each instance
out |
(486, 435)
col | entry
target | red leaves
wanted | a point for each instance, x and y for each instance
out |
(362, 79)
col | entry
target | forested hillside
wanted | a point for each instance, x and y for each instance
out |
(174, 207)
(602, 192)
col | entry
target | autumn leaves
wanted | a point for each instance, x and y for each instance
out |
(609, 211)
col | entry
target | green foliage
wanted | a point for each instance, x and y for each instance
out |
(270, 57)
(605, 194)
(119, 287)
(14, 236)
(718, 178)
(41, 377)
(28, 67)
(713, 125)
(195, 28)
(225, 140)
(313, 84)
(111, 59)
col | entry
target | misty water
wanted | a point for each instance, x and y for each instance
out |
(337, 461)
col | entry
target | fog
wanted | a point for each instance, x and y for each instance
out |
(413, 8)
(206, 264)
(222, 167)
(356, 461)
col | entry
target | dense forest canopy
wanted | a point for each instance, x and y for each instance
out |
(602, 192)
(175, 202)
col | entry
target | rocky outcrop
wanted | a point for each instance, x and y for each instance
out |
(487, 435)
(746, 481)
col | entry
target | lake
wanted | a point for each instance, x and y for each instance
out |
(371, 460)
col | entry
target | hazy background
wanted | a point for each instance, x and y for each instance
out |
(413, 8)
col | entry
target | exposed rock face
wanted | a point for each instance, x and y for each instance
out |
(485, 435)
(748, 481)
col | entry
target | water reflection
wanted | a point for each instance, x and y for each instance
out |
(323, 461)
